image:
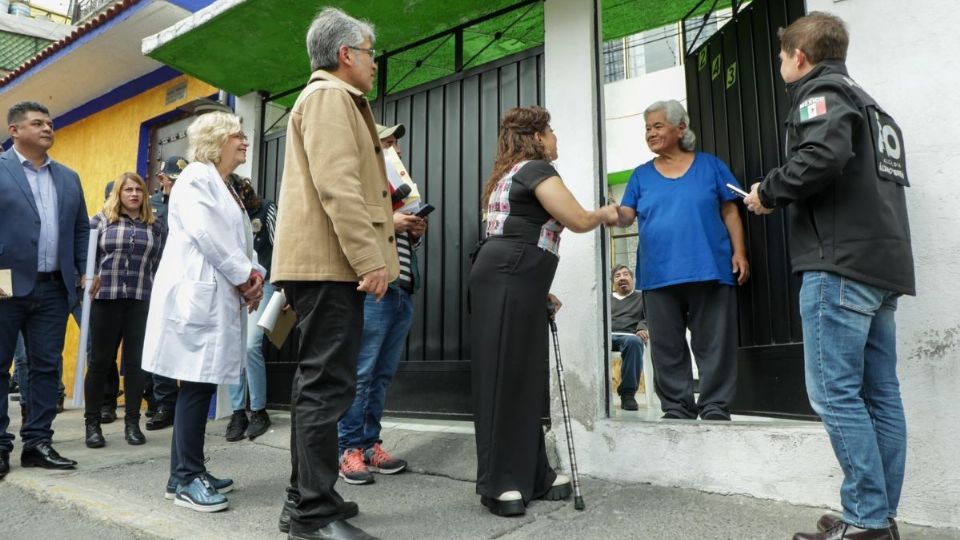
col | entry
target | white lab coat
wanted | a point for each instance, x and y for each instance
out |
(196, 325)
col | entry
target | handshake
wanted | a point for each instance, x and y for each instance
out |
(610, 214)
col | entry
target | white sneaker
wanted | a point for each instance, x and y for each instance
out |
(510, 496)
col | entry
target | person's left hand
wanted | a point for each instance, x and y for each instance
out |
(741, 267)
(252, 289)
(752, 201)
(644, 335)
(405, 222)
(557, 304)
(95, 286)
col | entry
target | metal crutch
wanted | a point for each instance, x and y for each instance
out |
(574, 473)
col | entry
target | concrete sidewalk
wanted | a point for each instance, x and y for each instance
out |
(121, 486)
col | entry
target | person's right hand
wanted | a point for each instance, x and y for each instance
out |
(374, 282)
(609, 214)
(405, 222)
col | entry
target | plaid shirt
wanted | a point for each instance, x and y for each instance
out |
(128, 252)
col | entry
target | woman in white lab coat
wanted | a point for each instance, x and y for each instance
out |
(207, 281)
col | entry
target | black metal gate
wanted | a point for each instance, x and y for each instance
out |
(448, 149)
(736, 99)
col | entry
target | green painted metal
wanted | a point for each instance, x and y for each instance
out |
(259, 44)
(619, 177)
(15, 49)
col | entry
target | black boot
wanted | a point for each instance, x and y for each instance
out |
(94, 437)
(131, 431)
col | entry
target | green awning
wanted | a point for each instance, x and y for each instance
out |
(258, 45)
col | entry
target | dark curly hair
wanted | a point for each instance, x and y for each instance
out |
(516, 143)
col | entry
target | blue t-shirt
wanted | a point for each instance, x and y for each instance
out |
(682, 235)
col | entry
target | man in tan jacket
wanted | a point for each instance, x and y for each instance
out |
(334, 243)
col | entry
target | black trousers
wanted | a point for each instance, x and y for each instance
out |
(113, 321)
(164, 392)
(189, 426)
(709, 310)
(330, 323)
(509, 364)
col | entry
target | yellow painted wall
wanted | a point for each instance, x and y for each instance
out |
(100, 148)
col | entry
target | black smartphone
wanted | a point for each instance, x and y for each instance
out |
(425, 211)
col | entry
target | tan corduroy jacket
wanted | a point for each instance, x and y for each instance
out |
(334, 216)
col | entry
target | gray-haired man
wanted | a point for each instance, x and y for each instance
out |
(334, 243)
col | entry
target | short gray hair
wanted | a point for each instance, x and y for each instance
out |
(675, 115)
(330, 30)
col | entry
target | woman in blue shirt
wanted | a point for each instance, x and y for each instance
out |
(692, 252)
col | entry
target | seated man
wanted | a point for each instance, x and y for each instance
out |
(629, 334)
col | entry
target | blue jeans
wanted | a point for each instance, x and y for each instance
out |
(850, 356)
(385, 327)
(630, 348)
(42, 317)
(21, 370)
(254, 374)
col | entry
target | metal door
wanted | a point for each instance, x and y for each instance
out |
(736, 100)
(448, 149)
(165, 141)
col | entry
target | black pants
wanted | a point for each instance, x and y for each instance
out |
(330, 321)
(113, 321)
(709, 310)
(111, 388)
(189, 425)
(509, 364)
(164, 392)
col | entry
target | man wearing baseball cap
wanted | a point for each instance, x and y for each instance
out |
(385, 327)
(164, 388)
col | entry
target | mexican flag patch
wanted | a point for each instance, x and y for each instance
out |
(813, 108)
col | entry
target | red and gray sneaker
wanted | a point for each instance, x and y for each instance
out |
(378, 460)
(352, 468)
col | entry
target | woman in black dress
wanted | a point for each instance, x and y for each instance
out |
(527, 206)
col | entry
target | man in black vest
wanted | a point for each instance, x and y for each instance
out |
(844, 183)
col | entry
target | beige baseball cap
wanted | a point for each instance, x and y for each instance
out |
(397, 131)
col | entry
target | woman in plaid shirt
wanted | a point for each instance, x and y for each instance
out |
(128, 250)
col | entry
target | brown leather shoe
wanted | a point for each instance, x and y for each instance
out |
(844, 531)
(828, 521)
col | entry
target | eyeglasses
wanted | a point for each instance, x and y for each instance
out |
(371, 51)
(241, 135)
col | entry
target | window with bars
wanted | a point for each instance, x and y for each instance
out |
(657, 49)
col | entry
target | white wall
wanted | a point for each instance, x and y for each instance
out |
(906, 58)
(248, 107)
(569, 52)
(904, 55)
(624, 102)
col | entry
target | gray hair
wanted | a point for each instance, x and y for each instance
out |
(330, 30)
(676, 115)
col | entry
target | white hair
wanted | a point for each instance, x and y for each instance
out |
(676, 115)
(330, 30)
(208, 133)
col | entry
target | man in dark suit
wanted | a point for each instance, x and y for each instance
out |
(44, 231)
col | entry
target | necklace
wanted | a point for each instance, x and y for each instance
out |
(235, 196)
